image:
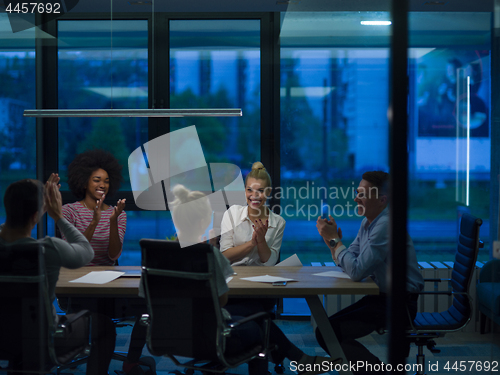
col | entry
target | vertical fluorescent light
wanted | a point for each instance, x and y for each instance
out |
(468, 140)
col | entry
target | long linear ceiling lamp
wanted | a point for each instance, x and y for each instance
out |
(212, 112)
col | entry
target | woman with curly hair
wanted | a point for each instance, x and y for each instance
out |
(92, 176)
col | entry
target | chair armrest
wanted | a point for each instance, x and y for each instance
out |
(71, 318)
(444, 292)
(436, 280)
(252, 317)
(64, 327)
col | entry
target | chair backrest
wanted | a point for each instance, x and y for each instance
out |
(463, 268)
(26, 315)
(182, 299)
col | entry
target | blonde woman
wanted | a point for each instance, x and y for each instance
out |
(252, 234)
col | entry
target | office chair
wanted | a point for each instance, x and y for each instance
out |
(428, 326)
(68, 305)
(277, 304)
(26, 317)
(184, 316)
(488, 294)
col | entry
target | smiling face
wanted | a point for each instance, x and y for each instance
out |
(371, 202)
(98, 184)
(256, 191)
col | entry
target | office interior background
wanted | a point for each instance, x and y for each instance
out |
(312, 82)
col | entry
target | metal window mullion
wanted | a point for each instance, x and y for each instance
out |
(46, 98)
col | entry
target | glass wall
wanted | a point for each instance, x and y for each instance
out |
(334, 126)
(17, 93)
(104, 64)
(449, 129)
(333, 101)
(216, 64)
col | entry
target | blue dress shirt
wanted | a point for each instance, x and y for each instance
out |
(368, 255)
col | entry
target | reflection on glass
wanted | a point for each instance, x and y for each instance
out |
(216, 64)
(449, 172)
(334, 126)
(99, 69)
(17, 93)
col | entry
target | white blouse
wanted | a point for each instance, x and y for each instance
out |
(236, 229)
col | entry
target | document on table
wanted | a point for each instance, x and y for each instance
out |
(290, 262)
(266, 279)
(228, 279)
(340, 274)
(98, 277)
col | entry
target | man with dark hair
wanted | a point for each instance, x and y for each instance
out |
(368, 255)
(25, 202)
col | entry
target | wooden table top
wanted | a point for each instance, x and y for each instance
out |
(306, 285)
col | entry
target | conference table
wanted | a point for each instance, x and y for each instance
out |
(307, 285)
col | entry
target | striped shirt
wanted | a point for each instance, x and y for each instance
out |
(81, 217)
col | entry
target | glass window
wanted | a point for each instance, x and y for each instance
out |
(334, 94)
(334, 100)
(105, 65)
(449, 124)
(216, 64)
(17, 93)
(102, 64)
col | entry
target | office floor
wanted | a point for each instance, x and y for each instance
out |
(454, 347)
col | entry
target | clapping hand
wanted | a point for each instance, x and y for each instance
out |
(118, 209)
(54, 178)
(260, 230)
(97, 209)
(328, 229)
(53, 200)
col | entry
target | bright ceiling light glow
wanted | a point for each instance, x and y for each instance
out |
(376, 23)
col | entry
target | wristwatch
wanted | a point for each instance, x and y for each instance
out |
(334, 242)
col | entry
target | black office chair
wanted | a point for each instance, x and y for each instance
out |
(185, 317)
(26, 317)
(428, 326)
(488, 294)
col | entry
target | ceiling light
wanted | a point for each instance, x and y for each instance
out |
(376, 23)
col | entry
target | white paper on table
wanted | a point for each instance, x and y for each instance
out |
(339, 274)
(98, 277)
(266, 279)
(290, 262)
(228, 279)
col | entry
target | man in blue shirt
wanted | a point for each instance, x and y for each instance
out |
(368, 255)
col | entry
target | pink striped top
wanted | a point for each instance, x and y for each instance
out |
(81, 217)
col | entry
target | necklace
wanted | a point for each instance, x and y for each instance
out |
(85, 205)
